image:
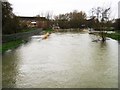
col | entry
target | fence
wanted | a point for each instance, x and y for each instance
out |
(23, 35)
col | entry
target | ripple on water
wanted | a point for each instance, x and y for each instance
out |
(66, 60)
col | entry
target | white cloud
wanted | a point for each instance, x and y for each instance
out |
(34, 7)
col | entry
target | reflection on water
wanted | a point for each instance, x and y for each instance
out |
(66, 60)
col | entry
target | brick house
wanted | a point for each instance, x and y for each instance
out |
(34, 22)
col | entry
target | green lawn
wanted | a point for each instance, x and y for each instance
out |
(13, 44)
(115, 36)
(9, 45)
(48, 30)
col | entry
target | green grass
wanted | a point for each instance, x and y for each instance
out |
(0, 48)
(13, 44)
(115, 36)
(9, 45)
(48, 30)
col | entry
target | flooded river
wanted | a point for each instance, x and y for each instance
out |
(64, 60)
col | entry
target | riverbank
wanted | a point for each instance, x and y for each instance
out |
(22, 35)
(14, 40)
(48, 30)
(10, 45)
(115, 36)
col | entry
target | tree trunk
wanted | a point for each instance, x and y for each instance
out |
(103, 37)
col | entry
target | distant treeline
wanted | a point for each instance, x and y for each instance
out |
(77, 19)
(11, 23)
(73, 19)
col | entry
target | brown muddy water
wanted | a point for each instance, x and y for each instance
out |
(64, 60)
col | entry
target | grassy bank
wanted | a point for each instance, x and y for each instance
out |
(10, 45)
(115, 36)
(48, 30)
(15, 43)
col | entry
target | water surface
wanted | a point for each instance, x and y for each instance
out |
(64, 60)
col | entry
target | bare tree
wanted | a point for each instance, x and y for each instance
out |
(73, 19)
(102, 17)
(49, 19)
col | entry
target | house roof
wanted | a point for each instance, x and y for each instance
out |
(32, 18)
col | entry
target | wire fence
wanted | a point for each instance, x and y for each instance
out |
(23, 35)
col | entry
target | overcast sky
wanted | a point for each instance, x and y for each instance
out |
(55, 7)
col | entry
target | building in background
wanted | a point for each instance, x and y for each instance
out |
(34, 22)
